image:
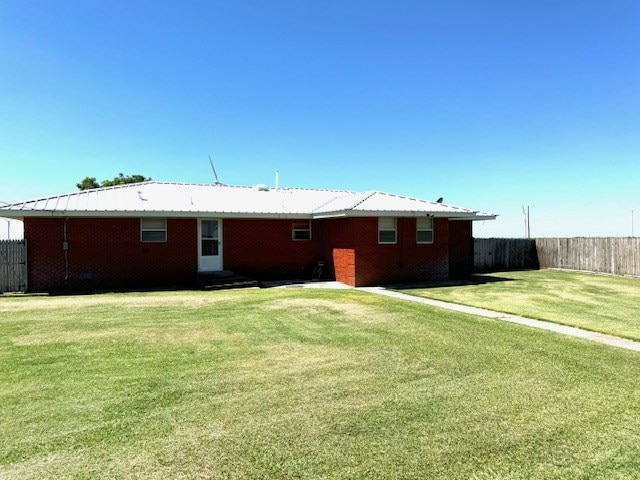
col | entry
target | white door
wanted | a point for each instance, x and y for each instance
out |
(209, 245)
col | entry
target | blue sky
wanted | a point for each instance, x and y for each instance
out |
(492, 105)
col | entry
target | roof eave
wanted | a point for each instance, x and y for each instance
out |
(11, 215)
(405, 213)
(147, 213)
(479, 216)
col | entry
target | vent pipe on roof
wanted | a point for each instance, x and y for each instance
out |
(277, 179)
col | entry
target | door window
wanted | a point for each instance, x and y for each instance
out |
(209, 238)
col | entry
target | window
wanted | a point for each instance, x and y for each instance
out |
(424, 230)
(386, 230)
(209, 236)
(301, 230)
(153, 229)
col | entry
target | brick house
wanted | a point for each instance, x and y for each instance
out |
(159, 233)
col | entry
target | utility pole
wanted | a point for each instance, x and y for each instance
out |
(527, 226)
(8, 224)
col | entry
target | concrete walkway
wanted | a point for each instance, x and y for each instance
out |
(332, 285)
(552, 327)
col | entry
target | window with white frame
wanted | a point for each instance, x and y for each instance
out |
(424, 230)
(153, 230)
(387, 227)
(301, 230)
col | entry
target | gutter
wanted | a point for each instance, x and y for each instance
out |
(246, 215)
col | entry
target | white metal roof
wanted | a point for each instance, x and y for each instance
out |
(193, 200)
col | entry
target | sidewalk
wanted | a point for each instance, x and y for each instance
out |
(552, 327)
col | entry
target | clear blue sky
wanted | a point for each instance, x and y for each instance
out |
(492, 105)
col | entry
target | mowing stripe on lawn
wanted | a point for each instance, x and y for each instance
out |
(529, 322)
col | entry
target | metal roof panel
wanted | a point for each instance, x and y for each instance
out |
(197, 199)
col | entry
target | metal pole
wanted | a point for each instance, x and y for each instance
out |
(8, 220)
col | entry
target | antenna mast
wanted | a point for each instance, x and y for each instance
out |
(215, 175)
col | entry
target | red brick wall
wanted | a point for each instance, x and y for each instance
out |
(45, 257)
(356, 258)
(338, 249)
(107, 253)
(404, 261)
(344, 265)
(264, 249)
(460, 248)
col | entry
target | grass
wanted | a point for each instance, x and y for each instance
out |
(308, 384)
(599, 303)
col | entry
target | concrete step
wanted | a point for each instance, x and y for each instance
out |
(224, 280)
(246, 283)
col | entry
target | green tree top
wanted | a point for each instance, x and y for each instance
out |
(90, 182)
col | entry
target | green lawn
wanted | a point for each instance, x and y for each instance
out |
(297, 383)
(600, 303)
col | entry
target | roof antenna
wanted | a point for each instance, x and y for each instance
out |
(215, 175)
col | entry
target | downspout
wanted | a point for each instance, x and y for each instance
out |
(65, 248)
(400, 242)
(321, 249)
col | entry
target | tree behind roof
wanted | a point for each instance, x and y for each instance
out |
(88, 183)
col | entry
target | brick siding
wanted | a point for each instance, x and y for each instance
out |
(338, 249)
(357, 259)
(460, 248)
(344, 265)
(264, 249)
(106, 253)
(404, 261)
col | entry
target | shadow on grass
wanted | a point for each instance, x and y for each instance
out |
(467, 281)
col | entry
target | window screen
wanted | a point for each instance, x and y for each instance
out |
(301, 230)
(386, 230)
(153, 229)
(424, 230)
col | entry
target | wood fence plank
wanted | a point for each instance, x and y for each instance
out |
(616, 256)
(13, 266)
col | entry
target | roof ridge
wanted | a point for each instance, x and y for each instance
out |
(406, 197)
(367, 196)
(325, 190)
(426, 201)
(332, 199)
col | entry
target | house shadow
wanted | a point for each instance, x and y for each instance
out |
(458, 282)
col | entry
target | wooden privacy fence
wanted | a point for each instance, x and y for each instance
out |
(13, 266)
(617, 256)
(495, 254)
